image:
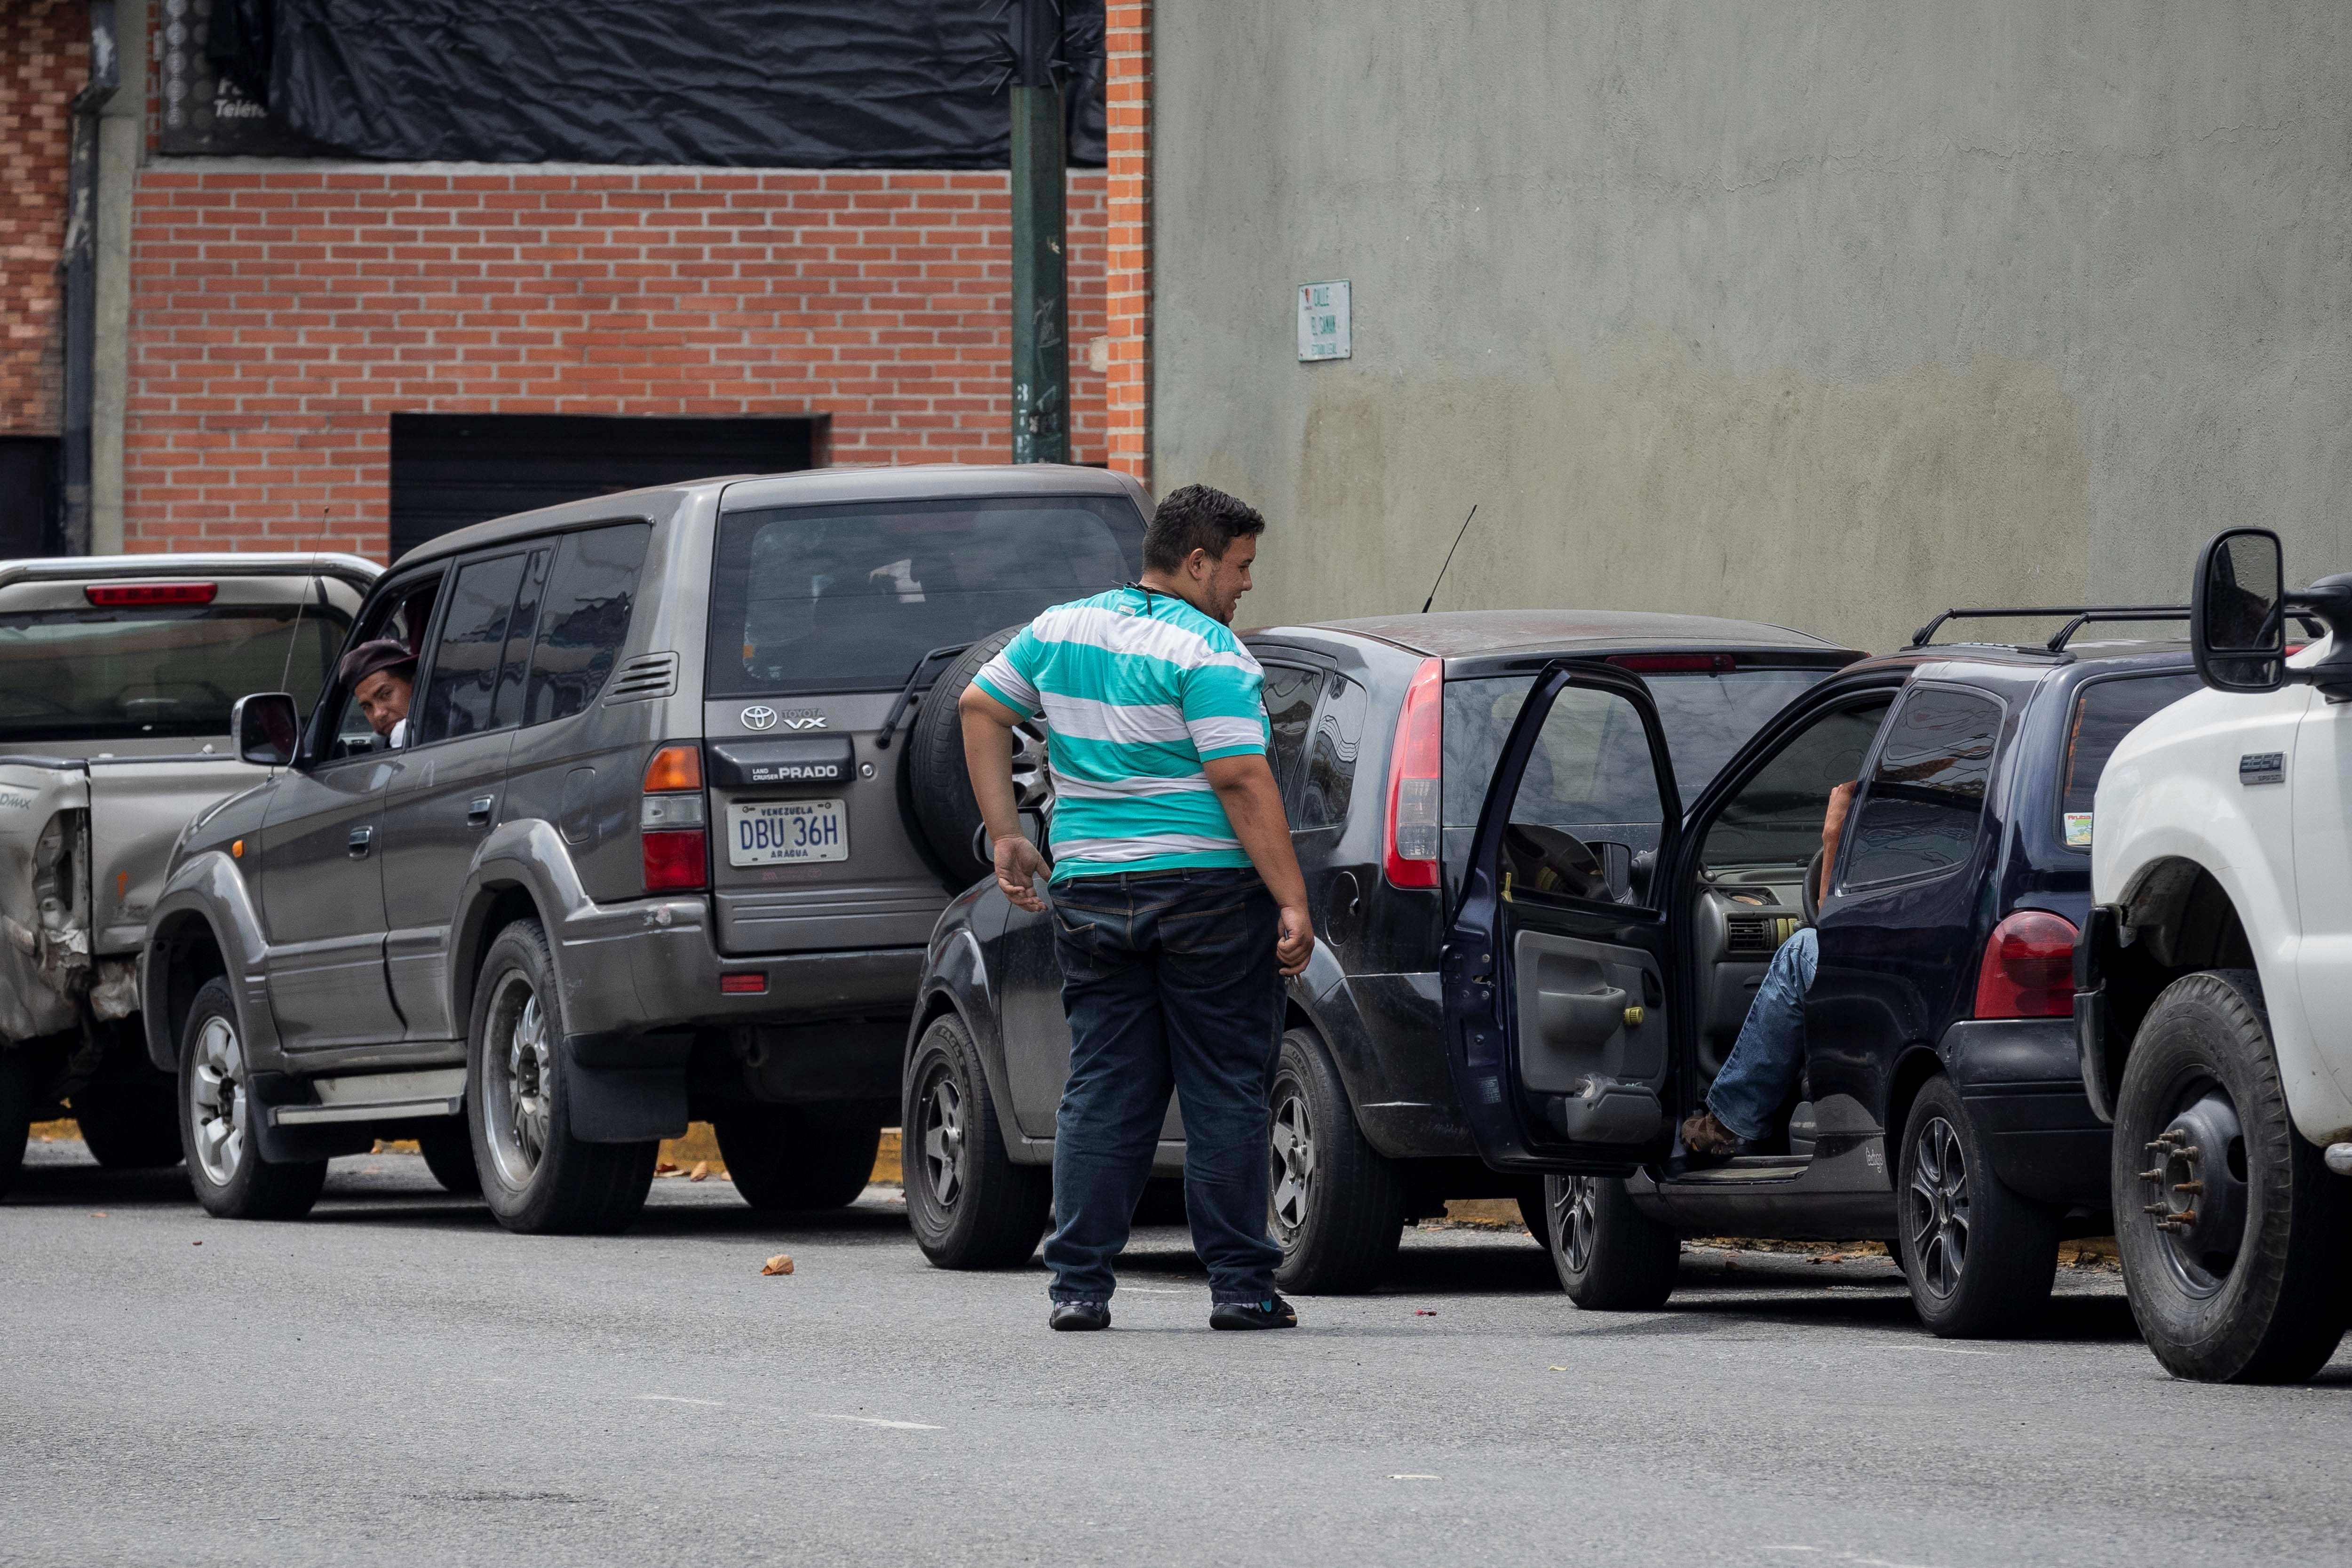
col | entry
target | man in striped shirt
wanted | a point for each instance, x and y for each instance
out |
(1178, 903)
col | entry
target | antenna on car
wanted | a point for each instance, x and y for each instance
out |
(287, 666)
(1449, 561)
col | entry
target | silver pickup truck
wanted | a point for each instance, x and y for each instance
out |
(117, 674)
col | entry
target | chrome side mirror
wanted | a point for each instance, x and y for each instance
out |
(266, 728)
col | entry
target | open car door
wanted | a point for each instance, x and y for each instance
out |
(1556, 969)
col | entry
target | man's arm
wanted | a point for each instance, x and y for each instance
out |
(988, 756)
(1832, 829)
(1245, 787)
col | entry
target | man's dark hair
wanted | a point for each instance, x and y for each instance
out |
(1196, 518)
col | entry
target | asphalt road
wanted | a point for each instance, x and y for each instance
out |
(396, 1381)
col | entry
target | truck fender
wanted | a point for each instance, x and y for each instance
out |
(956, 980)
(205, 898)
(530, 855)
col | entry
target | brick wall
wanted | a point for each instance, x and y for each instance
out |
(1127, 251)
(43, 61)
(281, 315)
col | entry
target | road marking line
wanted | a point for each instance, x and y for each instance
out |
(877, 1421)
(1411, 1475)
(682, 1399)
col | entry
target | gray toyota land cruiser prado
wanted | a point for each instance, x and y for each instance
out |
(668, 833)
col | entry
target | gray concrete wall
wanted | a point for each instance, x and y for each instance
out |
(1829, 314)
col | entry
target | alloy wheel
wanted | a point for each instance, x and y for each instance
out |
(518, 1079)
(216, 1090)
(942, 1137)
(1572, 1219)
(1937, 1232)
(1293, 1160)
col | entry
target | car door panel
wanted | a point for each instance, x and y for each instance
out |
(1557, 1030)
(322, 900)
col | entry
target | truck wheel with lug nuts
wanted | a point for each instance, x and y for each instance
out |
(1980, 1258)
(1337, 1203)
(225, 1163)
(536, 1176)
(783, 1157)
(2236, 1241)
(968, 1204)
(1610, 1256)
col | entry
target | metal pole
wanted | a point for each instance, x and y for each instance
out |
(1041, 333)
(79, 266)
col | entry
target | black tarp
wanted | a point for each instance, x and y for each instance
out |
(871, 84)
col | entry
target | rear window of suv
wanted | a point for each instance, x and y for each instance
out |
(128, 671)
(825, 599)
(2105, 712)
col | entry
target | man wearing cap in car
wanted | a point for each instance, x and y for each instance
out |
(380, 677)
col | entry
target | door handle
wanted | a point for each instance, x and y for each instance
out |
(1586, 1017)
(360, 841)
(478, 810)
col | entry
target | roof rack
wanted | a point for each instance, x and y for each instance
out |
(2078, 616)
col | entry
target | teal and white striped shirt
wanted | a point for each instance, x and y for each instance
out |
(1139, 690)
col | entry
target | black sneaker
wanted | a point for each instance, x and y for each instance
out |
(1272, 1313)
(1080, 1317)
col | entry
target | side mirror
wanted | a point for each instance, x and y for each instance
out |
(266, 728)
(2235, 624)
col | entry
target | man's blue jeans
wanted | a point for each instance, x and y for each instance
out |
(1170, 980)
(1770, 1051)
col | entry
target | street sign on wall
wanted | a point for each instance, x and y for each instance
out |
(1323, 329)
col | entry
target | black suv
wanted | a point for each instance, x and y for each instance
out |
(1384, 734)
(1941, 1104)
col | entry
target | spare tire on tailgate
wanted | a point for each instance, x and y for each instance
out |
(933, 781)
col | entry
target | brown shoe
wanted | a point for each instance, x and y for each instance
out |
(1705, 1136)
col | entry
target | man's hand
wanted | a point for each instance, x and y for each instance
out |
(1293, 942)
(1017, 865)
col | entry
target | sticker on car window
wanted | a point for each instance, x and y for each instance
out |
(2078, 830)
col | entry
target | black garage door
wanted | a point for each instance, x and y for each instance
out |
(451, 469)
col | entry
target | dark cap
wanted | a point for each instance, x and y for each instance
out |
(370, 657)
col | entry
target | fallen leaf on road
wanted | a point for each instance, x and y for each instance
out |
(663, 1168)
(1560, 1369)
(701, 1172)
(782, 1263)
(196, 1243)
(1422, 1312)
(98, 1214)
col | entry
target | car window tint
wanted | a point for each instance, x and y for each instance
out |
(2105, 712)
(591, 591)
(1918, 815)
(1776, 818)
(1588, 801)
(1289, 695)
(464, 675)
(514, 666)
(1706, 719)
(1331, 754)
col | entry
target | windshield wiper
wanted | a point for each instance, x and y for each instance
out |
(907, 698)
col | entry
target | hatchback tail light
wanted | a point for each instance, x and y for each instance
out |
(2029, 968)
(1416, 762)
(673, 822)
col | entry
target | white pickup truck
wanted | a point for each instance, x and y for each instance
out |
(117, 675)
(2213, 982)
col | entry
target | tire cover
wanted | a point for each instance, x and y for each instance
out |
(938, 788)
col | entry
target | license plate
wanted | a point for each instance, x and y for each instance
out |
(783, 832)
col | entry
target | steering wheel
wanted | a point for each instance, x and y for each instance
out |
(1810, 898)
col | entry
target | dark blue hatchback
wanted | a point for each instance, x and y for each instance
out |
(1941, 1104)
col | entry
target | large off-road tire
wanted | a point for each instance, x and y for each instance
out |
(1610, 1256)
(968, 1204)
(448, 1145)
(225, 1164)
(132, 1128)
(2250, 1279)
(783, 1157)
(15, 1115)
(536, 1176)
(938, 786)
(1336, 1204)
(1980, 1258)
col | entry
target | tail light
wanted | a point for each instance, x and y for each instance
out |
(1416, 762)
(2029, 968)
(116, 594)
(673, 822)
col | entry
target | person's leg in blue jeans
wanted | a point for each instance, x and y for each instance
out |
(1117, 1094)
(1770, 1051)
(1221, 991)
